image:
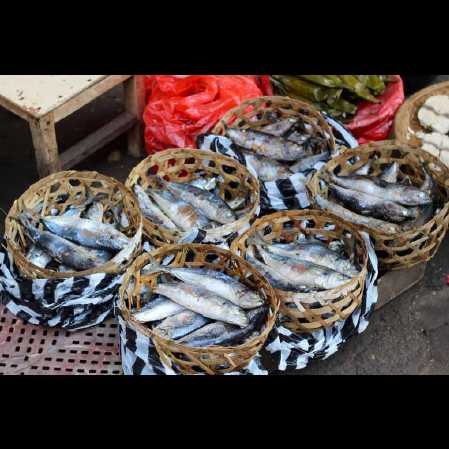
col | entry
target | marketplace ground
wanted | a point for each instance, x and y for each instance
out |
(410, 335)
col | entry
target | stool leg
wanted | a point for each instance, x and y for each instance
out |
(135, 104)
(45, 145)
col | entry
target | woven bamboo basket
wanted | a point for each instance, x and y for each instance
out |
(406, 123)
(190, 360)
(314, 310)
(410, 247)
(64, 189)
(184, 165)
(255, 114)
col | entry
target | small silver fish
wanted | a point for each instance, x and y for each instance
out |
(317, 253)
(157, 309)
(279, 127)
(208, 204)
(266, 169)
(302, 273)
(181, 324)
(151, 211)
(87, 232)
(390, 173)
(377, 207)
(266, 145)
(203, 301)
(214, 281)
(352, 217)
(404, 195)
(181, 213)
(59, 248)
(307, 163)
(219, 333)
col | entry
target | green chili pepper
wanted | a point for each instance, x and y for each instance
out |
(352, 83)
(322, 80)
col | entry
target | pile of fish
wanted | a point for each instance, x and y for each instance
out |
(181, 207)
(434, 118)
(83, 237)
(307, 264)
(200, 307)
(388, 203)
(338, 95)
(281, 148)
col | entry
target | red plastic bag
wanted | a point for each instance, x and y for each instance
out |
(374, 121)
(180, 107)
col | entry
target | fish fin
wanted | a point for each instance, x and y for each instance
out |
(152, 266)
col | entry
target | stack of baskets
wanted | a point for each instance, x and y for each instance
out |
(69, 299)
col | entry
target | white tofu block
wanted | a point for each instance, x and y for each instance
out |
(438, 104)
(430, 119)
(438, 140)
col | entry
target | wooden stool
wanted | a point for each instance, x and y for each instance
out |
(44, 100)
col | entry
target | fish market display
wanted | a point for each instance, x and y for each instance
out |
(80, 238)
(338, 95)
(434, 118)
(388, 202)
(200, 307)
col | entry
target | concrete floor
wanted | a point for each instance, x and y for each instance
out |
(410, 335)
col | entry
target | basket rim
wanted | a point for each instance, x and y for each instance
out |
(376, 147)
(402, 121)
(216, 232)
(235, 246)
(44, 273)
(145, 257)
(277, 99)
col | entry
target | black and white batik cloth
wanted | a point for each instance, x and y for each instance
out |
(140, 357)
(293, 351)
(283, 194)
(73, 303)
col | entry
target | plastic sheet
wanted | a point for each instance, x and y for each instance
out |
(374, 121)
(180, 107)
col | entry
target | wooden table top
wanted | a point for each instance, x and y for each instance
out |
(37, 95)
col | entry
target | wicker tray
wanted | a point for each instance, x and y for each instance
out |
(182, 165)
(410, 247)
(190, 360)
(319, 309)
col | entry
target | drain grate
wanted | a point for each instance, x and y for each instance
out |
(28, 349)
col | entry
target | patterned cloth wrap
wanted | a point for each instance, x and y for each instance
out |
(289, 193)
(284, 350)
(73, 303)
